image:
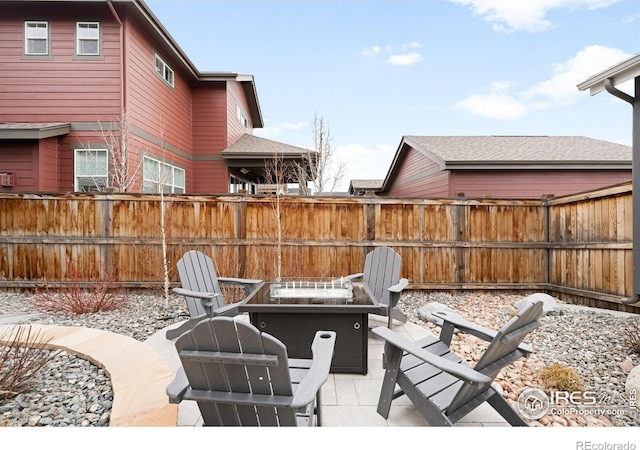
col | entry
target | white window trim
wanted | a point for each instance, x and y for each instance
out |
(163, 70)
(159, 182)
(94, 177)
(27, 38)
(79, 39)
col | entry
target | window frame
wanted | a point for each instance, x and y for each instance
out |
(80, 39)
(242, 117)
(165, 169)
(163, 70)
(28, 39)
(77, 187)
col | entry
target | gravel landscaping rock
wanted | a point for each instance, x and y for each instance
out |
(73, 392)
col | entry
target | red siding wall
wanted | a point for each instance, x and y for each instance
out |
(523, 184)
(47, 160)
(18, 158)
(419, 176)
(60, 88)
(209, 138)
(153, 106)
(236, 98)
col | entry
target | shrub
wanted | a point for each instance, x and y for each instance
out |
(631, 336)
(82, 297)
(558, 377)
(23, 355)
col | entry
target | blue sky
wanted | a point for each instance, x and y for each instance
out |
(377, 70)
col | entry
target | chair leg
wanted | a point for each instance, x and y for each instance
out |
(392, 358)
(505, 410)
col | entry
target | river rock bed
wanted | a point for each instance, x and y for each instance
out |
(74, 392)
(588, 340)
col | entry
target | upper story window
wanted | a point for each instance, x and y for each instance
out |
(36, 38)
(158, 175)
(163, 70)
(241, 117)
(88, 38)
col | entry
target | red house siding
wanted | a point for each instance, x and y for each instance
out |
(524, 184)
(235, 99)
(152, 105)
(419, 176)
(209, 138)
(17, 157)
(62, 87)
(187, 124)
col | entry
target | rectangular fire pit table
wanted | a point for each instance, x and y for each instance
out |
(293, 311)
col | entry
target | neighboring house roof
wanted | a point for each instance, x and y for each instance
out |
(514, 152)
(32, 130)
(250, 146)
(251, 154)
(360, 187)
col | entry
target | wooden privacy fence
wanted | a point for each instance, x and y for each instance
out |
(578, 248)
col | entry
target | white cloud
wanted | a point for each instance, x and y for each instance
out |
(529, 15)
(406, 55)
(272, 131)
(497, 104)
(371, 51)
(559, 90)
(406, 59)
(411, 45)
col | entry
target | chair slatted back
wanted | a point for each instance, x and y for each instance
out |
(197, 273)
(381, 271)
(502, 350)
(222, 355)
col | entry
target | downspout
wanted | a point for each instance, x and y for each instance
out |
(635, 152)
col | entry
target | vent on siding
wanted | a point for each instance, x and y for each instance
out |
(6, 179)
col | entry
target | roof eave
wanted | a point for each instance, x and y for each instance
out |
(538, 165)
(624, 71)
(35, 132)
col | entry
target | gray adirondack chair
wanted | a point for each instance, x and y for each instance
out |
(201, 289)
(441, 386)
(382, 275)
(241, 377)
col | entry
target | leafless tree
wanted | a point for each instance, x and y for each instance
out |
(275, 172)
(320, 162)
(124, 163)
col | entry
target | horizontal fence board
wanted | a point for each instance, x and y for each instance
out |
(577, 246)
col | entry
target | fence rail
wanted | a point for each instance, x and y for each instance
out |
(578, 248)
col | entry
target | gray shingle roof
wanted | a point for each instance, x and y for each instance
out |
(495, 149)
(249, 145)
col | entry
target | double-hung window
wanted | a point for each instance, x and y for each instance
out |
(158, 176)
(91, 170)
(88, 38)
(163, 70)
(36, 38)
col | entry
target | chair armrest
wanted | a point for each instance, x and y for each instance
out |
(322, 350)
(353, 276)
(452, 321)
(238, 280)
(177, 388)
(462, 324)
(461, 371)
(399, 287)
(202, 295)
